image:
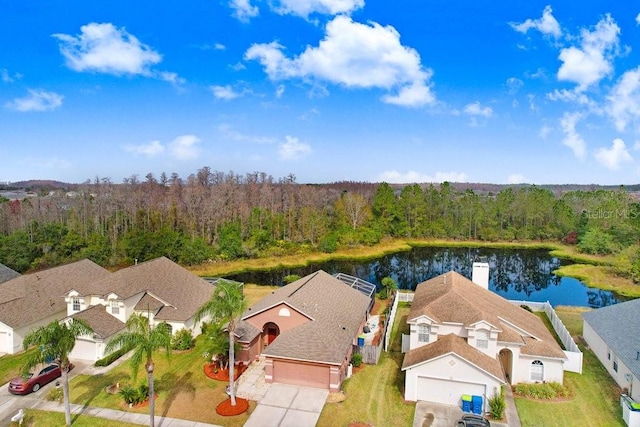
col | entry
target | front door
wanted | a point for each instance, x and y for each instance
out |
(270, 331)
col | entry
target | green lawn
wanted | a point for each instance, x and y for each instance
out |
(595, 400)
(34, 417)
(11, 364)
(374, 395)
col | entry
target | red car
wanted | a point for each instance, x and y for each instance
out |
(30, 382)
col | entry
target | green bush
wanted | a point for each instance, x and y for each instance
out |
(183, 340)
(129, 394)
(55, 395)
(110, 358)
(356, 359)
(497, 405)
(542, 391)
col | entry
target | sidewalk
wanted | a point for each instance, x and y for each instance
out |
(513, 419)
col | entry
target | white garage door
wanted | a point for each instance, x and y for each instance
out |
(84, 350)
(447, 391)
(4, 342)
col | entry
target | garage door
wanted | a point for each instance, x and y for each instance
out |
(84, 350)
(4, 342)
(447, 391)
(301, 374)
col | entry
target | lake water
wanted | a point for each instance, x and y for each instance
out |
(522, 274)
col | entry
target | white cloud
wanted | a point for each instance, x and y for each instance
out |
(545, 131)
(514, 85)
(623, 102)
(476, 109)
(395, 177)
(304, 8)
(37, 100)
(104, 48)
(171, 78)
(243, 11)
(279, 91)
(638, 19)
(293, 149)
(7, 78)
(150, 149)
(547, 24)
(614, 156)
(571, 96)
(225, 92)
(354, 55)
(185, 147)
(572, 138)
(516, 178)
(229, 133)
(591, 62)
(219, 46)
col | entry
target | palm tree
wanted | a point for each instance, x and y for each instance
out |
(226, 304)
(143, 340)
(55, 341)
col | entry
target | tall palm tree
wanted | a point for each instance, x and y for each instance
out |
(226, 304)
(143, 340)
(56, 340)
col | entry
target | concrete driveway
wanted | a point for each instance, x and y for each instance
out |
(287, 405)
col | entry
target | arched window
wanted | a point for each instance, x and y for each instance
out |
(284, 312)
(537, 371)
(423, 333)
(482, 339)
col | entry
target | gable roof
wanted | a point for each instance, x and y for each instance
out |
(453, 298)
(618, 326)
(103, 324)
(452, 343)
(7, 274)
(32, 297)
(164, 279)
(335, 310)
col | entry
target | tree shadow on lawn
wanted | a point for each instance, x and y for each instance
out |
(176, 386)
(94, 385)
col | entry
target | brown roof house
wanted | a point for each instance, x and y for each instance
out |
(159, 289)
(466, 340)
(36, 299)
(305, 330)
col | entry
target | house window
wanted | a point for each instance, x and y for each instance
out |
(423, 333)
(76, 304)
(615, 364)
(115, 308)
(537, 371)
(482, 339)
(609, 354)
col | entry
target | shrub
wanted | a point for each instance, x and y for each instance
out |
(182, 340)
(497, 405)
(110, 358)
(55, 394)
(356, 359)
(542, 391)
(129, 394)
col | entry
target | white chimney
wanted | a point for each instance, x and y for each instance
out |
(480, 274)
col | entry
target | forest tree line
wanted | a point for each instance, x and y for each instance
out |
(215, 215)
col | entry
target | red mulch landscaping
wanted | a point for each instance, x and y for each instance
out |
(225, 409)
(212, 371)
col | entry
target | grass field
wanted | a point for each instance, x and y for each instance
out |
(37, 418)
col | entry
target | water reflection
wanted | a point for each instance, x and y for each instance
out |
(514, 274)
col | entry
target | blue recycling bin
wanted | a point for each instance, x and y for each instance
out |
(466, 403)
(476, 405)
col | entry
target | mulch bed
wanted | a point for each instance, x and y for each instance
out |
(212, 371)
(225, 409)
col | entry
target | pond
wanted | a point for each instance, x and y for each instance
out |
(517, 274)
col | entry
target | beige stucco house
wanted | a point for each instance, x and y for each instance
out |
(36, 299)
(305, 330)
(612, 333)
(466, 340)
(159, 289)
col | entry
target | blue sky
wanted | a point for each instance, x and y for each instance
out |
(326, 90)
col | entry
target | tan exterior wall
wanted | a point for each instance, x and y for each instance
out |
(278, 315)
(250, 351)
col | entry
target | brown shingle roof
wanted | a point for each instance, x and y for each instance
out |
(148, 302)
(163, 278)
(336, 310)
(31, 297)
(103, 324)
(452, 343)
(452, 297)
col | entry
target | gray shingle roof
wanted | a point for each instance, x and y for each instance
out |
(618, 326)
(452, 343)
(7, 274)
(161, 277)
(103, 324)
(336, 310)
(453, 298)
(31, 297)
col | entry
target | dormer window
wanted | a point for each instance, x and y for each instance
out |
(423, 333)
(75, 304)
(482, 339)
(114, 306)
